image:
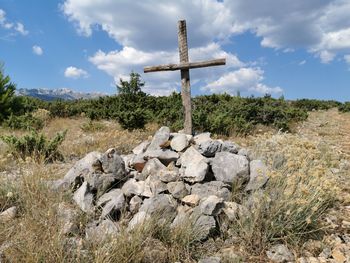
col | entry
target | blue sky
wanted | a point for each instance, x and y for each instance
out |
(271, 45)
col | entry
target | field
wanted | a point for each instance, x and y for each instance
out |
(316, 163)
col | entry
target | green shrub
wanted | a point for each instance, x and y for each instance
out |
(312, 104)
(7, 92)
(93, 126)
(24, 122)
(345, 107)
(133, 119)
(36, 146)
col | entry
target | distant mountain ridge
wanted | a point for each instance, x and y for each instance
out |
(54, 94)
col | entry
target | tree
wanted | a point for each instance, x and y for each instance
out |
(131, 87)
(7, 92)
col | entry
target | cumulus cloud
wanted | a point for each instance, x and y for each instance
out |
(243, 79)
(18, 27)
(347, 58)
(75, 73)
(37, 50)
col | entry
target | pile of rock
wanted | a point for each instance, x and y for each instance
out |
(174, 175)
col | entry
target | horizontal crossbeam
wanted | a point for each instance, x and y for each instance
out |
(187, 65)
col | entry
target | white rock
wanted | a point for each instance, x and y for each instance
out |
(202, 137)
(133, 187)
(280, 253)
(195, 172)
(258, 175)
(160, 138)
(141, 148)
(84, 198)
(191, 200)
(212, 205)
(9, 214)
(179, 142)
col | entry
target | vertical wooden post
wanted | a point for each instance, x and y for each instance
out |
(185, 77)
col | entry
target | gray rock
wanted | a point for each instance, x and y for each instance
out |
(153, 166)
(67, 219)
(138, 162)
(169, 175)
(258, 175)
(209, 148)
(190, 156)
(165, 156)
(229, 168)
(100, 182)
(202, 137)
(141, 148)
(113, 164)
(210, 260)
(133, 187)
(9, 214)
(160, 205)
(228, 146)
(177, 189)
(195, 172)
(231, 210)
(191, 200)
(159, 139)
(84, 198)
(179, 142)
(243, 152)
(154, 186)
(135, 204)
(280, 253)
(113, 201)
(98, 232)
(127, 161)
(211, 205)
(217, 188)
(90, 163)
(203, 225)
(138, 219)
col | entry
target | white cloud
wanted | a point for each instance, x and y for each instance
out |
(37, 50)
(75, 73)
(326, 56)
(244, 79)
(302, 62)
(347, 58)
(19, 27)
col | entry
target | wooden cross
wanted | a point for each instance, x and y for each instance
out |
(185, 67)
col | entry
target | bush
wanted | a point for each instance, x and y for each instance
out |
(36, 146)
(311, 104)
(345, 107)
(131, 120)
(24, 122)
(7, 92)
(93, 126)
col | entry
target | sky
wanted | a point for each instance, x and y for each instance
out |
(298, 49)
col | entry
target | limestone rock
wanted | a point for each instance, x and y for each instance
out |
(113, 164)
(195, 172)
(98, 232)
(135, 204)
(189, 157)
(177, 189)
(212, 205)
(133, 187)
(204, 225)
(138, 219)
(154, 186)
(210, 260)
(258, 175)
(202, 137)
(179, 142)
(229, 168)
(112, 202)
(217, 188)
(209, 148)
(153, 166)
(9, 214)
(67, 218)
(138, 162)
(228, 146)
(191, 200)
(141, 148)
(162, 205)
(160, 138)
(280, 253)
(84, 198)
(165, 156)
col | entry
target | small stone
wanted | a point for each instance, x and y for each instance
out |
(280, 253)
(217, 188)
(154, 186)
(191, 200)
(177, 189)
(228, 146)
(212, 205)
(165, 156)
(232, 210)
(160, 138)
(84, 198)
(138, 219)
(153, 166)
(112, 202)
(133, 187)
(98, 232)
(179, 142)
(190, 156)
(9, 214)
(141, 148)
(113, 164)
(138, 162)
(204, 225)
(202, 137)
(209, 148)
(195, 172)
(135, 204)
(168, 176)
(258, 175)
